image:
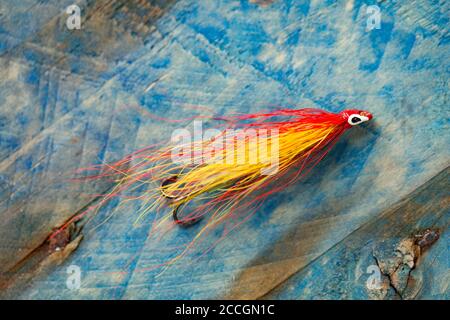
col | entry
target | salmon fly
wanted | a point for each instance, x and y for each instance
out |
(227, 172)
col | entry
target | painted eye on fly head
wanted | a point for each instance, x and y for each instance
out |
(355, 119)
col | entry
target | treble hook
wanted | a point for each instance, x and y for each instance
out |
(182, 223)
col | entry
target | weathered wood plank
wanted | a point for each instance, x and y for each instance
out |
(72, 99)
(419, 265)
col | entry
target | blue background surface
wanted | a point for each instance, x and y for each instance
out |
(71, 98)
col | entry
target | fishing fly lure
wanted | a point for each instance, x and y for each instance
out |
(228, 172)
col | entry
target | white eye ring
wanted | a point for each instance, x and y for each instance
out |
(355, 119)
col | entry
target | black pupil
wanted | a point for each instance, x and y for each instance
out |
(356, 120)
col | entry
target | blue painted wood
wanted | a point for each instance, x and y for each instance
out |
(72, 98)
(387, 250)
